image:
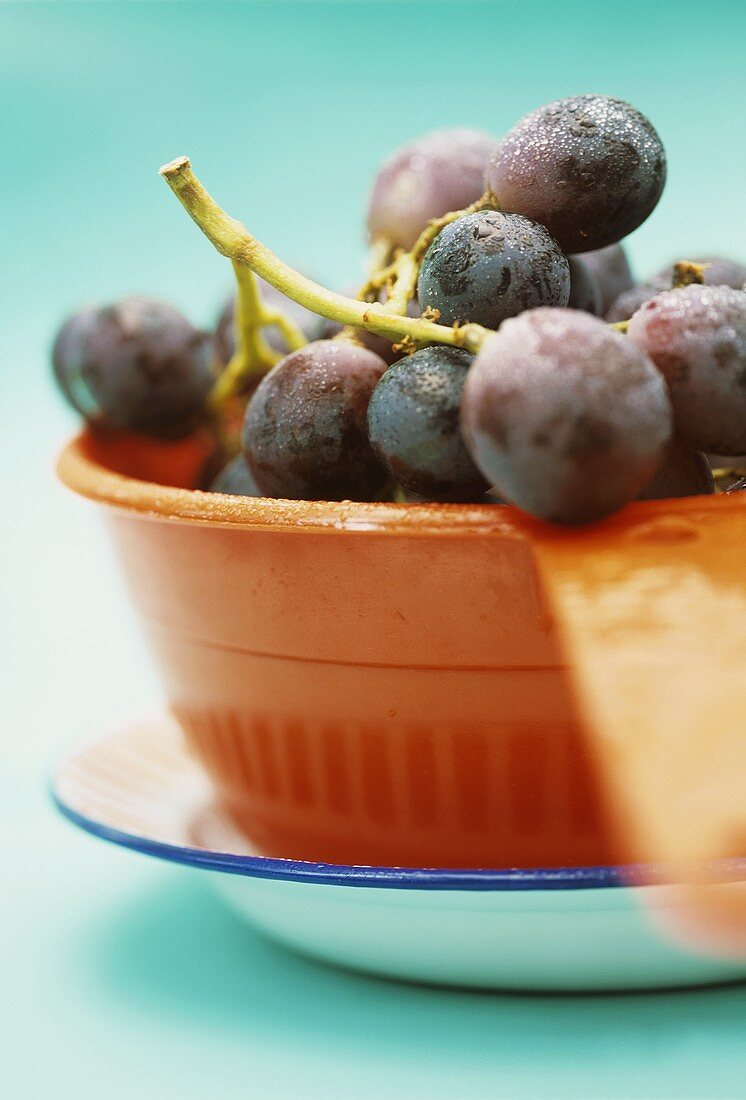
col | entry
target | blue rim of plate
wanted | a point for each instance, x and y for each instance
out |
(397, 878)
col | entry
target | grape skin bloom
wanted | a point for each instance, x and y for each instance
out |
(590, 168)
(629, 301)
(696, 336)
(138, 365)
(235, 479)
(413, 421)
(612, 271)
(567, 419)
(305, 433)
(585, 292)
(431, 176)
(489, 266)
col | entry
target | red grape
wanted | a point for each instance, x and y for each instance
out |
(590, 168)
(137, 364)
(567, 419)
(612, 271)
(696, 336)
(431, 176)
(305, 435)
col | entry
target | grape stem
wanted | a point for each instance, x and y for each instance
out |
(688, 273)
(725, 476)
(253, 354)
(234, 241)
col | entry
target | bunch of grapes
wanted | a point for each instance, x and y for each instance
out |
(499, 352)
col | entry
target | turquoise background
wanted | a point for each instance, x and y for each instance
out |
(120, 977)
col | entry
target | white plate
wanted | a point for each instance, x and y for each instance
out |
(560, 929)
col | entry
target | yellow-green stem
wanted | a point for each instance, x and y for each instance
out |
(233, 240)
(253, 354)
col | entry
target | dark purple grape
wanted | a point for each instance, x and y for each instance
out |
(137, 365)
(590, 168)
(225, 330)
(566, 418)
(585, 293)
(431, 176)
(683, 473)
(612, 271)
(696, 336)
(306, 434)
(236, 479)
(629, 301)
(413, 423)
(68, 356)
(490, 497)
(718, 272)
(488, 266)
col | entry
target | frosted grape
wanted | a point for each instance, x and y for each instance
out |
(305, 435)
(590, 168)
(564, 417)
(696, 336)
(431, 176)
